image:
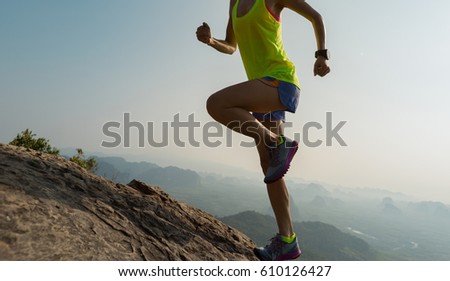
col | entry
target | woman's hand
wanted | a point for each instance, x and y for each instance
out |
(204, 34)
(321, 67)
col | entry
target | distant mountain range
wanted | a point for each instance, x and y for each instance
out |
(121, 171)
(396, 227)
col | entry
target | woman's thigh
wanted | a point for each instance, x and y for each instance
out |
(251, 95)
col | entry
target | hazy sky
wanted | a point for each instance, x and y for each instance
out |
(69, 67)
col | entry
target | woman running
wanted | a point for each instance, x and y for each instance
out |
(256, 108)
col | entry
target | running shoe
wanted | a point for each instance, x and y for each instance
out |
(278, 250)
(280, 159)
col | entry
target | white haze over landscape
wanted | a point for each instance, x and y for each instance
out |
(69, 67)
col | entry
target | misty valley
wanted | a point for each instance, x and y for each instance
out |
(368, 224)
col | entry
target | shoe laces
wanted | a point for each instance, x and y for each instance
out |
(274, 154)
(275, 246)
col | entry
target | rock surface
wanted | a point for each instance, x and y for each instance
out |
(51, 209)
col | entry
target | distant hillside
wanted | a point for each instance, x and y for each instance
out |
(122, 171)
(436, 209)
(319, 241)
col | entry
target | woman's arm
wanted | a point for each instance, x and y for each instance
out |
(304, 9)
(301, 7)
(227, 46)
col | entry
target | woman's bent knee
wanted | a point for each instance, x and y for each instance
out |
(213, 104)
(210, 105)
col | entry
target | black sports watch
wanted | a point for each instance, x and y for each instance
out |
(323, 53)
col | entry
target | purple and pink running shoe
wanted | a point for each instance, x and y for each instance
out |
(280, 159)
(277, 250)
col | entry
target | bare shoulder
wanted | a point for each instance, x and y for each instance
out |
(279, 5)
(294, 4)
(287, 3)
(232, 3)
(276, 6)
(299, 6)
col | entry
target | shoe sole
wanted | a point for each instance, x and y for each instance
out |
(289, 256)
(286, 257)
(287, 164)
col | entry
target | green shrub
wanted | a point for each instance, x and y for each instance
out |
(89, 164)
(28, 140)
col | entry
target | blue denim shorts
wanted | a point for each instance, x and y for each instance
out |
(289, 96)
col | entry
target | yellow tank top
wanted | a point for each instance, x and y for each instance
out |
(258, 35)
